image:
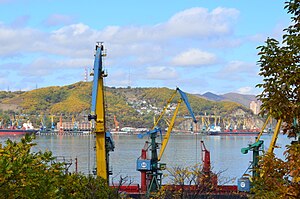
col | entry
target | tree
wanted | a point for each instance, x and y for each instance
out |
(89, 187)
(193, 182)
(26, 174)
(279, 66)
(280, 69)
(278, 178)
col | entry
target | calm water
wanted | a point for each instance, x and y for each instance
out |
(182, 150)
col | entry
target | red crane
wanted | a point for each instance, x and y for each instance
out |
(60, 124)
(117, 127)
(205, 159)
(208, 177)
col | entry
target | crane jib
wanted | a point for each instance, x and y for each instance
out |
(97, 73)
(185, 99)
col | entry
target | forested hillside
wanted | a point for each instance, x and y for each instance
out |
(134, 107)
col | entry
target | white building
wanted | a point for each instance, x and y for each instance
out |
(255, 107)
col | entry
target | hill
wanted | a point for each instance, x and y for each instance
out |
(239, 98)
(132, 106)
(212, 97)
(232, 97)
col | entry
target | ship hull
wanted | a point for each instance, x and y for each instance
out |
(17, 132)
(213, 132)
(236, 133)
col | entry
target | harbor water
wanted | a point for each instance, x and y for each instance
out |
(182, 151)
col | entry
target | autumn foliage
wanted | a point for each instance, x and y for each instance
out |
(280, 69)
(26, 174)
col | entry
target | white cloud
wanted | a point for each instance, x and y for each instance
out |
(194, 57)
(198, 22)
(73, 30)
(17, 41)
(225, 43)
(160, 73)
(245, 90)
(120, 79)
(238, 66)
(175, 42)
(76, 39)
(72, 41)
(191, 23)
(238, 71)
(46, 66)
(257, 38)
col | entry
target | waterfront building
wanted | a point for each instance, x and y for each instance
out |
(255, 107)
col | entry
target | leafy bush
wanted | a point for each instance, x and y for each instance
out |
(25, 174)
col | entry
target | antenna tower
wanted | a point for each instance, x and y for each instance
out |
(85, 74)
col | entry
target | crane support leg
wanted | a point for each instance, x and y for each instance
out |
(101, 155)
(144, 173)
(275, 136)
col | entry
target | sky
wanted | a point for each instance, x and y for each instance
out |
(197, 45)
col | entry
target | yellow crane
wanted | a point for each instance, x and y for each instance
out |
(104, 142)
(151, 168)
(244, 182)
(52, 123)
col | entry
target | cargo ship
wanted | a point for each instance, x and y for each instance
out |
(17, 131)
(26, 129)
(214, 130)
(237, 132)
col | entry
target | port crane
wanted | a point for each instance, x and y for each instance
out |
(117, 126)
(244, 183)
(52, 123)
(43, 123)
(61, 130)
(151, 169)
(209, 177)
(104, 142)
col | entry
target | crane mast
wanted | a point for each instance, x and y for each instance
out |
(244, 181)
(104, 142)
(151, 175)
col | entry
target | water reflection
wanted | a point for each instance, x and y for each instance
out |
(182, 150)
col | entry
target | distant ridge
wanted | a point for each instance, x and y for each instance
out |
(233, 97)
(132, 106)
(240, 98)
(213, 97)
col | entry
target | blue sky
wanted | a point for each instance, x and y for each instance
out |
(197, 45)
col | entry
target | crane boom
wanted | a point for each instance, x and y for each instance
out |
(168, 133)
(170, 127)
(164, 109)
(97, 116)
(186, 101)
(275, 136)
(263, 128)
(151, 169)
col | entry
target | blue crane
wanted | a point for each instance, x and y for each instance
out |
(104, 142)
(151, 175)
